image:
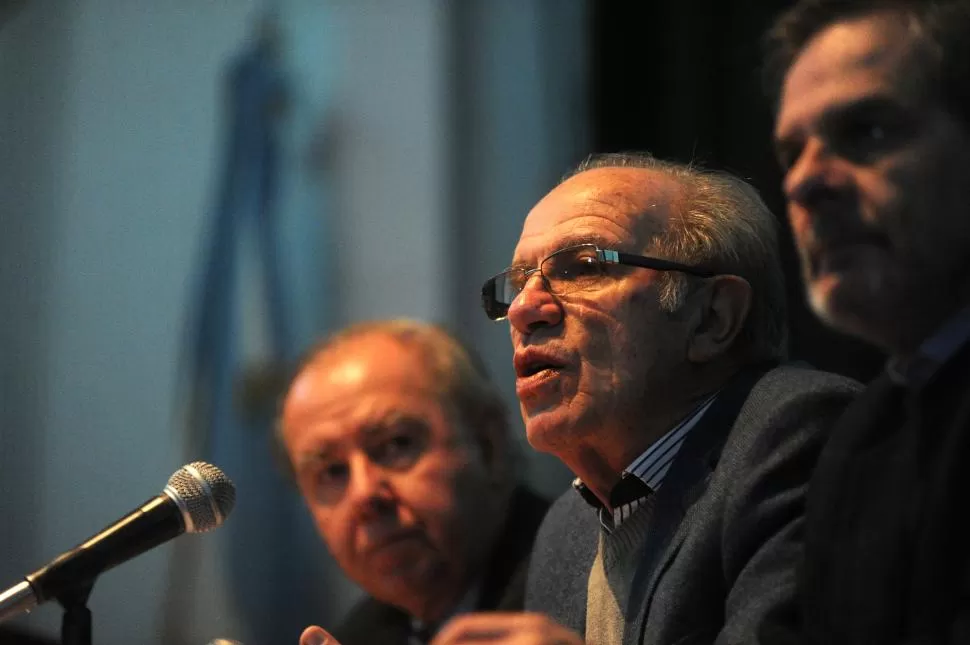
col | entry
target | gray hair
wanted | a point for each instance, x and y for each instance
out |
(724, 226)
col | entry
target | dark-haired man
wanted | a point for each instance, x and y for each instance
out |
(873, 131)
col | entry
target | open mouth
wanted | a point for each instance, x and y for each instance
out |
(537, 374)
(532, 363)
(532, 370)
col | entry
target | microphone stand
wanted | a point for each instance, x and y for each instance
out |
(76, 624)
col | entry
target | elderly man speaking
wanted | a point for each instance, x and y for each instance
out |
(647, 314)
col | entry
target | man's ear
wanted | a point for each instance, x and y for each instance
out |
(720, 312)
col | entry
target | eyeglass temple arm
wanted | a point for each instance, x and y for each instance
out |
(615, 257)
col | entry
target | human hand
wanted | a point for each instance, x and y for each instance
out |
(505, 627)
(315, 635)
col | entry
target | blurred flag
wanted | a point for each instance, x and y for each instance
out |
(265, 547)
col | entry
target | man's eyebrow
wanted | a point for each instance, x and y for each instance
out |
(586, 238)
(392, 421)
(520, 265)
(319, 453)
(567, 242)
(878, 105)
(832, 116)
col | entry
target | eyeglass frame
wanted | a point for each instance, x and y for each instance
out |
(603, 257)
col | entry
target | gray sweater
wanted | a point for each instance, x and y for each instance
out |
(615, 565)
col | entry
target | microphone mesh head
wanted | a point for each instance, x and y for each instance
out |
(203, 493)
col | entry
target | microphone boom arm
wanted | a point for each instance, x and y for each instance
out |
(135, 533)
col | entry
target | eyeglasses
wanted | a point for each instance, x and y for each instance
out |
(567, 270)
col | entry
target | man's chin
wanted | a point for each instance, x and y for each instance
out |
(414, 577)
(820, 301)
(408, 562)
(419, 593)
(853, 305)
(546, 428)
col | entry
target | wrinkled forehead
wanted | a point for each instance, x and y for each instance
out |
(849, 61)
(618, 208)
(357, 377)
(373, 360)
(322, 412)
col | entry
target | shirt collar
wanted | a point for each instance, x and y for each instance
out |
(646, 473)
(936, 350)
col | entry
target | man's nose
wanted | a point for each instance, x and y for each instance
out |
(534, 307)
(817, 175)
(369, 489)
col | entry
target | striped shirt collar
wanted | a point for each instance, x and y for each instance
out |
(645, 475)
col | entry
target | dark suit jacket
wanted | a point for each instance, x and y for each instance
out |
(724, 540)
(372, 622)
(887, 554)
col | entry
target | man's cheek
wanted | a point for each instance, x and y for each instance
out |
(428, 506)
(800, 225)
(336, 535)
(439, 507)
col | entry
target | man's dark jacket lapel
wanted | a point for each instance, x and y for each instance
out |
(684, 483)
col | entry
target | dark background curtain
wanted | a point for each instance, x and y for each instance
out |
(682, 80)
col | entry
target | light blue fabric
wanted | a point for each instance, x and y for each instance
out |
(268, 539)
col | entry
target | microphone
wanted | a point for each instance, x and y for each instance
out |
(197, 498)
